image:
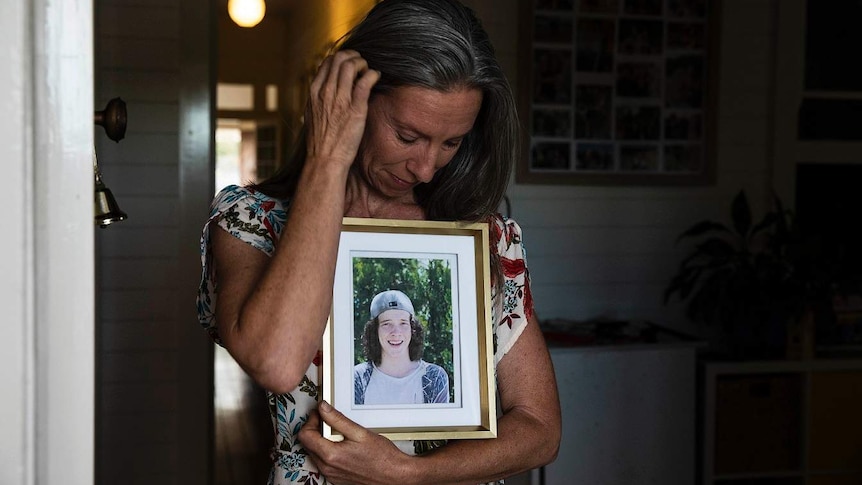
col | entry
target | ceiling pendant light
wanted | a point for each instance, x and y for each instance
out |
(246, 13)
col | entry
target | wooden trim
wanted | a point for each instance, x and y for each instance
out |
(196, 172)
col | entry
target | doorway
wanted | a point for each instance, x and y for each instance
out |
(246, 151)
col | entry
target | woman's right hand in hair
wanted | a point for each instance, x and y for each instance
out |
(338, 107)
(258, 296)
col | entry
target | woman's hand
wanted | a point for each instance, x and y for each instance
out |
(362, 458)
(258, 296)
(338, 107)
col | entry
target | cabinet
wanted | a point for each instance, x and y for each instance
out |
(628, 415)
(782, 423)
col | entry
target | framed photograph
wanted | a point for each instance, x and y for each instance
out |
(641, 37)
(595, 45)
(552, 123)
(638, 80)
(407, 351)
(623, 98)
(595, 157)
(599, 6)
(553, 76)
(553, 29)
(593, 112)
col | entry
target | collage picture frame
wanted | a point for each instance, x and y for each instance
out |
(617, 92)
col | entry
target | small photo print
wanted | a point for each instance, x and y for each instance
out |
(684, 82)
(551, 156)
(683, 126)
(595, 45)
(639, 158)
(554, 5)
(594, 157)
(642, 7)
(599, 6)
(552, 123)
(552, 29)
(683, 158)
(687, 9)
(639, 80)
(593, 112)
(401, 321)
(638, 122)
(686, 36)
(641, 37)
(552, 76)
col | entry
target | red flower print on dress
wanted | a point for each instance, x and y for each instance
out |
(528, 298)
(512, 268)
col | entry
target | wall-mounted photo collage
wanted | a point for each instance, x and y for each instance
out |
(617, 92)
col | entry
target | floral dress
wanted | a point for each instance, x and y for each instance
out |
(258, 220)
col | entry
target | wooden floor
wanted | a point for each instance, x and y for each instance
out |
(243, 429)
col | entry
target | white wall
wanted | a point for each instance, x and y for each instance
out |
(46, 273)
(610, 251)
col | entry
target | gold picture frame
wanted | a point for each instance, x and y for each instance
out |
(445, 268)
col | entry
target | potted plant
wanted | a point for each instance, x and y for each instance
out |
(754, 279)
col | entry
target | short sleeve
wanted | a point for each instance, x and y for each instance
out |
(251, 217)
(512, 301)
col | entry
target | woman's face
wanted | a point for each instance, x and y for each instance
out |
(394, 332)
(411, 133)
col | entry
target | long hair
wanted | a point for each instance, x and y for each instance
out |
(440, 45)
(371, 341)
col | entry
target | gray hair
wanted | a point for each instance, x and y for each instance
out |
(441, 45)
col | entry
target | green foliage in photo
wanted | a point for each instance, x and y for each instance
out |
(428, 284)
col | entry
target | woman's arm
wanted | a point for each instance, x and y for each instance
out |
(271, 312)
(528, 433)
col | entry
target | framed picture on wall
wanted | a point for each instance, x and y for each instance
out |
(407, 351)
(616, 92)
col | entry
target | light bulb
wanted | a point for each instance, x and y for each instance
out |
(246, 13)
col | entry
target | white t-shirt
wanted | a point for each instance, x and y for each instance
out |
(385, 389)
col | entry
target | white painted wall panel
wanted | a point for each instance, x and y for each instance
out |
(131, 398)
(155, 428)
(138, 54)
(17, 447)
(142, 21)
(125, 240)
(141, 86)
(149, 273)
(139, 148)
(134, 335)
(138, 305)
(153, 180)
(152, 118)
(140, 366)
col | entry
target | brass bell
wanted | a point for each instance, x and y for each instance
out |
(113, 120)
(107, 211)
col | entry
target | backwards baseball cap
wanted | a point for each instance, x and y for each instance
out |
(390, 300)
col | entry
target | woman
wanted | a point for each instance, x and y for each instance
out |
(412, 118)
(394, 372)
